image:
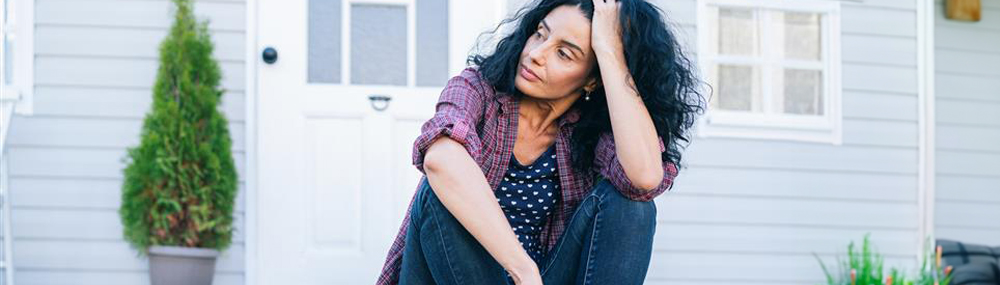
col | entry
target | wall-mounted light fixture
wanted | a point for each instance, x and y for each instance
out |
(963, 10)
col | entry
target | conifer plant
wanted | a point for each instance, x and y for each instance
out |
(179, 184)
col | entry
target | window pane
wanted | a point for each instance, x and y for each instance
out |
(432, 42)
(378, 44)
(802, 35)
(324, 41)
(803, 92)
(737, 88)
(737, 31)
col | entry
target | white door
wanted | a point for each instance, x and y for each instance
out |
(343, 87)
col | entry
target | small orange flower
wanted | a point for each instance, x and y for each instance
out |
(854, 274)
(947, 270)
(888, 280)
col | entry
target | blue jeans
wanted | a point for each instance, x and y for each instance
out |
(608, 240)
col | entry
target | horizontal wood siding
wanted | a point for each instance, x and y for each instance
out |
(968, 127)
(95, 65)
(744, 211)
(753, 211)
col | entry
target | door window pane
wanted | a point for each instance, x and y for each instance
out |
(378, 44)
(324, 41)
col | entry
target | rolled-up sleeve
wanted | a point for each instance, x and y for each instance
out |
(458, 111)
(607, 164)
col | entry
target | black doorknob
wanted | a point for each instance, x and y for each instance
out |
(270, 55)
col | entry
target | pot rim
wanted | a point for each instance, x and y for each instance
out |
(183, 251)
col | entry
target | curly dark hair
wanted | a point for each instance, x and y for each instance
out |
(663, 74)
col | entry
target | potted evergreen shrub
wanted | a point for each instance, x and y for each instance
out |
(179, 187)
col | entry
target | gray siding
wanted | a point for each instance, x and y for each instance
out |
(96, 61)
(745, 212)
(750, 211)
(968, 127)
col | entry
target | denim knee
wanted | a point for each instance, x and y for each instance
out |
(639, 212)
(423, 195)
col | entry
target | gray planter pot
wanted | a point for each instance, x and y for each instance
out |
(173, 265)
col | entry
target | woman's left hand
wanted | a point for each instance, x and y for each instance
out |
(605, 30)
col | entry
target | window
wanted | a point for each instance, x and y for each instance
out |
(16, 54)
(387, 43)
(774, 68)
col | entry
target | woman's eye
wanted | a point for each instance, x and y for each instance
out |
(563, 54)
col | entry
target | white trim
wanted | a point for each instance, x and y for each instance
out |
(475, 17)
(8, 240)
(345, 41)
(18, 25)
(250, 220)
(766, 123)
(766, 71)
(784, 5)
(382, 2)
(411, 43)
(23, 11)
(3, 61)
(926, 121)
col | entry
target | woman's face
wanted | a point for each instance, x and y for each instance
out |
(557, 59)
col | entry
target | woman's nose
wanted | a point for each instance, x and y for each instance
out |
(537, 55)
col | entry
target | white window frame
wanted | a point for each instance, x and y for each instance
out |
(20, 27)
(774, 125)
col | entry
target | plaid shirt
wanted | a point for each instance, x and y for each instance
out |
(485, 122)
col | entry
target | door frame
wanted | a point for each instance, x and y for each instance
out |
(250, 114)
(252, 62)
(926, 121)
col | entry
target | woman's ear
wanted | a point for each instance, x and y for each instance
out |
(592, 84)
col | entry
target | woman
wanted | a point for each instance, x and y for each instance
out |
(542, 160)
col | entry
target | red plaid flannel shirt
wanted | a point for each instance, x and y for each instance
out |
(485, 122)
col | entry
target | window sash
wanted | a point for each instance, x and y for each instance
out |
(18, 19)
(770, 59)
(775, 123)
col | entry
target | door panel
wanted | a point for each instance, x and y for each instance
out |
(338, 111)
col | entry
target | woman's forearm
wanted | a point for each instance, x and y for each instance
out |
(636, 141)
(461, 186)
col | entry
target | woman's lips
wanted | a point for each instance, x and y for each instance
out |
(527, 74)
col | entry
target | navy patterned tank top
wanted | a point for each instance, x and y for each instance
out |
(527, 195)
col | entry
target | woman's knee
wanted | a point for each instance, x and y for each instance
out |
(428, 209)
(636, 212)
(453, 254)
(419, 201)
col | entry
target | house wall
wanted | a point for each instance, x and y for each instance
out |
(745, 211)
(95, 65)
(968, 127)
(752, 211)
